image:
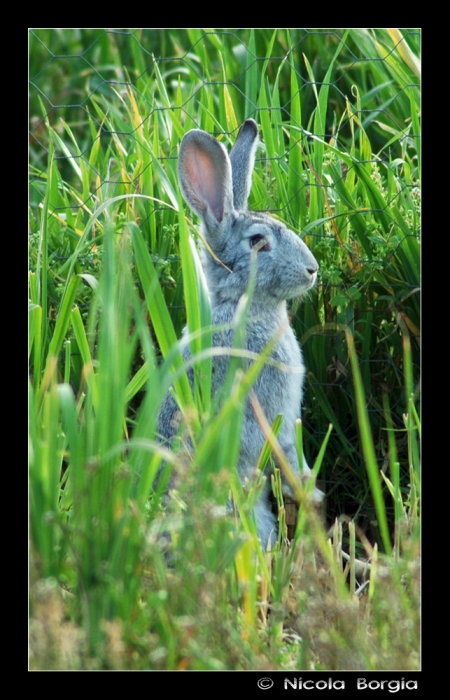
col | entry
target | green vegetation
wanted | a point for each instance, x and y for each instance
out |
(113, 280)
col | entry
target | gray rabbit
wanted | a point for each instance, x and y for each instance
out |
(216, 186)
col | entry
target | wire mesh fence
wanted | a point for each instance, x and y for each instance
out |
(339, 116)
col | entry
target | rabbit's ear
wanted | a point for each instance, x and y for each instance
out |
(242, 159)
(205, 177)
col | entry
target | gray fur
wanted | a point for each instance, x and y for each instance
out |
(216, 186)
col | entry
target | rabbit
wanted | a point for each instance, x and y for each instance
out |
(216, 186)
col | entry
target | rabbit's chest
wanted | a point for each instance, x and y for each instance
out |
(279, 386)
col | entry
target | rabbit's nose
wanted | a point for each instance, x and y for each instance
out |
(312, 270)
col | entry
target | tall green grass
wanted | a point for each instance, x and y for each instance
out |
(114, 277)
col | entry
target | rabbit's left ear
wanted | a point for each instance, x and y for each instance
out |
(242, 158)
(205, 176)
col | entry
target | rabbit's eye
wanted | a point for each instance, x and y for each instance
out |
(261, 242)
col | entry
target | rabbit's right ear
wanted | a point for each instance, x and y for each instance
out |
(242, 158)
(204, 172)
